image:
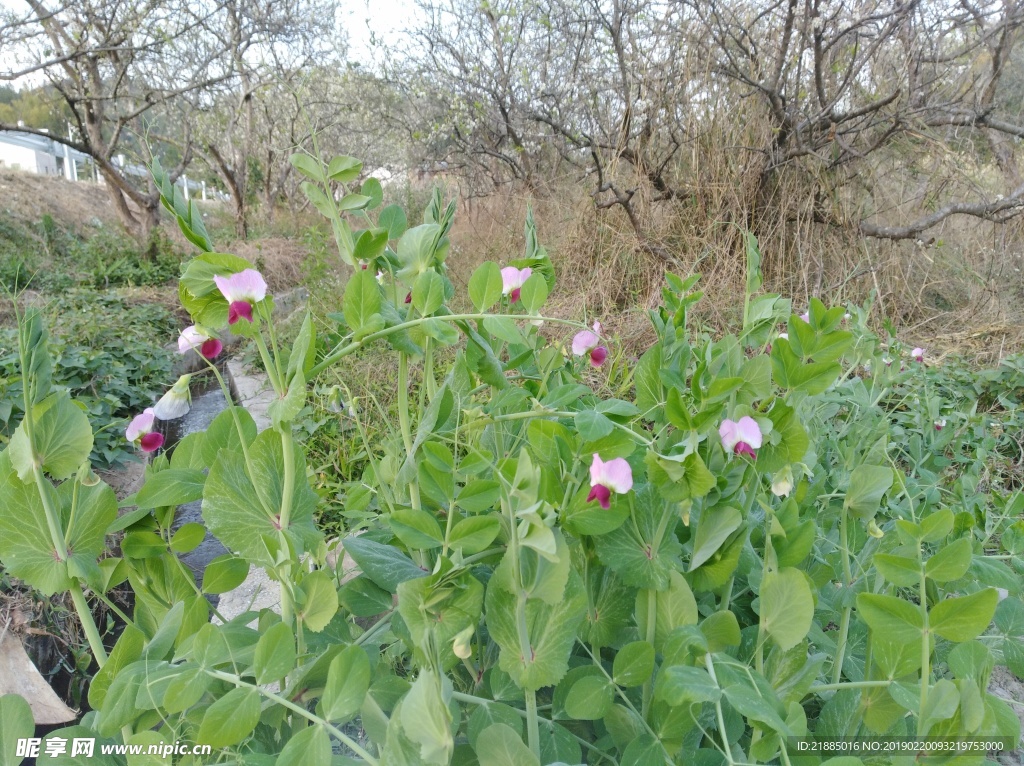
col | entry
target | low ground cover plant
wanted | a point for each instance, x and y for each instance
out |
(793, 530)
(107, 352)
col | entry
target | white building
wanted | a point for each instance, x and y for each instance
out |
(38, 154)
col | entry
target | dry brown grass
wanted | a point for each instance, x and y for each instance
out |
(961, 291)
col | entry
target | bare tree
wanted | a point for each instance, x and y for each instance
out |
(270, 46)
(121, 68)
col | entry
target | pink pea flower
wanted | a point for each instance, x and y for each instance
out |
(194, 339)
(586, 342)
(806, 316)
(512, 280)
(604, 477)
(408, 297)
(742, 437)
(918, 355)
(940, 424)
(140, 431)
(242, 290)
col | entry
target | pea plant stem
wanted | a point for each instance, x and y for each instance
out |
(482, 701)
(92, 633)
(342, 351)
(346, 740)
(926, 650)
(726, 751)
(844, 622)
(652, 623)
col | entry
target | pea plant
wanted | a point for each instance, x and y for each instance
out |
(763, 537)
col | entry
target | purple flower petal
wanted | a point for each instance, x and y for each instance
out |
(602, 494)
(211, 349)
(151, 442)
(239, 310)
(598, 355)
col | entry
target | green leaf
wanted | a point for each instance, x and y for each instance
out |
(243, 515)
(318, 600)
(951, 562)
(473, 535)
(188, 537)
(426, 718)
(534, 292)
(485, 286)
(550, 628)
(417, 529)
(364, 599)
(174, 486)
(491, 713)
(362, 303)
(943, 701)
(680, 685)
(722, 630)
(899, 570)
(230, 719)
(311, 167)
(185, 690)
(26, 547)
(223, 434)
(310, 747)
(15, 723)
(348, 680)
(498, 745)
(634, 551)
(386, 566)
(62, 439)
(787, 606)
(589, 698)
(890, 618)
(342, 169)
(393, 219)
(428, 292)
(867, 485)
(275, 654)
(373, 190)
(715, 527)
(478, 495)
(593, 425)
(633, 664)
(225, 573)
(353, 202)
(964, 618)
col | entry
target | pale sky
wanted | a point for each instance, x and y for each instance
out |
(387, 19)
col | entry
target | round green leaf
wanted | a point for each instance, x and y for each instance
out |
(275, 654)
(188, 537)
(589, 698)
(230, 719)
(15, 723)
(634, 664)
(348, 679)
(787, 606)
(224, 573)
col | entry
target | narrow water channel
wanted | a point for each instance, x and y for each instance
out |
(207, 402)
